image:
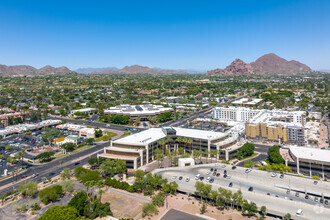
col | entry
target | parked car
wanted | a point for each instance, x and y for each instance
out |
(315, 182)
(208, 179)
(230, 184)
(282, 176)
(187, 179)
(233, 167)
(211, 180)
(218, 174)
(250, 188)
(297, 194)
(197, 177)
(273, 174)
(180, 178)
(299, 212)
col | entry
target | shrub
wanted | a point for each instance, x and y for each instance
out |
(67, 185)
(316, 178)
(60, 213)
(118, 184)
(149, 209)
(29, 188)
(158, 199)
(35, 207)
(50, 194)
(23, 208)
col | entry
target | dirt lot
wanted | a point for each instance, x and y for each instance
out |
(192, 206)
(122, 206)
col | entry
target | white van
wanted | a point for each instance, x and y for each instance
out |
(299, 212)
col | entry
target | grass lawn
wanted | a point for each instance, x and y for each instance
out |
(125, 134)
(105, 136)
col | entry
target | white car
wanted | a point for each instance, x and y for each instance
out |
(174, 177)
(299, 212)
(223, 166)
(197, 177)
(248, 170)
(228, 177)
(274, 174)
(208, 179)
(208, 172)
(187, 179)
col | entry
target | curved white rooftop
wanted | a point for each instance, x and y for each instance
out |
(307, 153)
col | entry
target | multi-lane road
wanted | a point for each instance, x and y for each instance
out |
(52, 168)
(267, 190)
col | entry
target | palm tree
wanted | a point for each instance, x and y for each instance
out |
(162, 142)
(20, 155)
(190, 141)
(168, 141)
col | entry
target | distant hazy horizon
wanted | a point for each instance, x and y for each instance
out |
(195, 35)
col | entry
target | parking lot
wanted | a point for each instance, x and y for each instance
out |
(254, 184)
(26, 141)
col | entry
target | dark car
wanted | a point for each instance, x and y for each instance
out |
(233, 167)
(225, 172)
(218, 174)
(180, 178)
(321, 200)
(211, 169)
(230, 184)
(201, 178)
(77, 163)
(225, 176)
(326, 202)
(212, 180)
(250, 188)
(214, 173)
(315, 182)
(52, 174)
(282, 176)
(306, 197)
(215, 170)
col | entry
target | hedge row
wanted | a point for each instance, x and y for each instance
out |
(118, 184)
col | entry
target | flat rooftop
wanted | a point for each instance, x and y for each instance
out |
(155, 134)
(311, 153)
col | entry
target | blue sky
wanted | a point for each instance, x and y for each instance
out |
(175, 34)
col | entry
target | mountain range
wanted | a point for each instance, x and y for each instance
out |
(26, 70)
(89, 70)
(268, 63)
(135, 69)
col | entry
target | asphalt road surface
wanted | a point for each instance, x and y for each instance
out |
(96, 124)
(52, 168)
(278, 201)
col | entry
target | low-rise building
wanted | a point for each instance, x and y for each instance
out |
(20, 128)
(87, 132)
(247, 102)
(86, 111)
(139, 149)
(306, 160)
(135, 111)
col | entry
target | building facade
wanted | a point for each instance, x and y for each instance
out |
(139, 149)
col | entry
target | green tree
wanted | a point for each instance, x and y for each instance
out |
(66, 174)
(287, 216)
(121, 167)
(61, 213)
(139, 174)
(69, 147)
(45, 156)
(158, 199)
(28, 189)
(67, 185)
(149, 209)
(263, 211)
(274, 155)
(108, 166)
(79, 202)
(245, 151)
(50, 194)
